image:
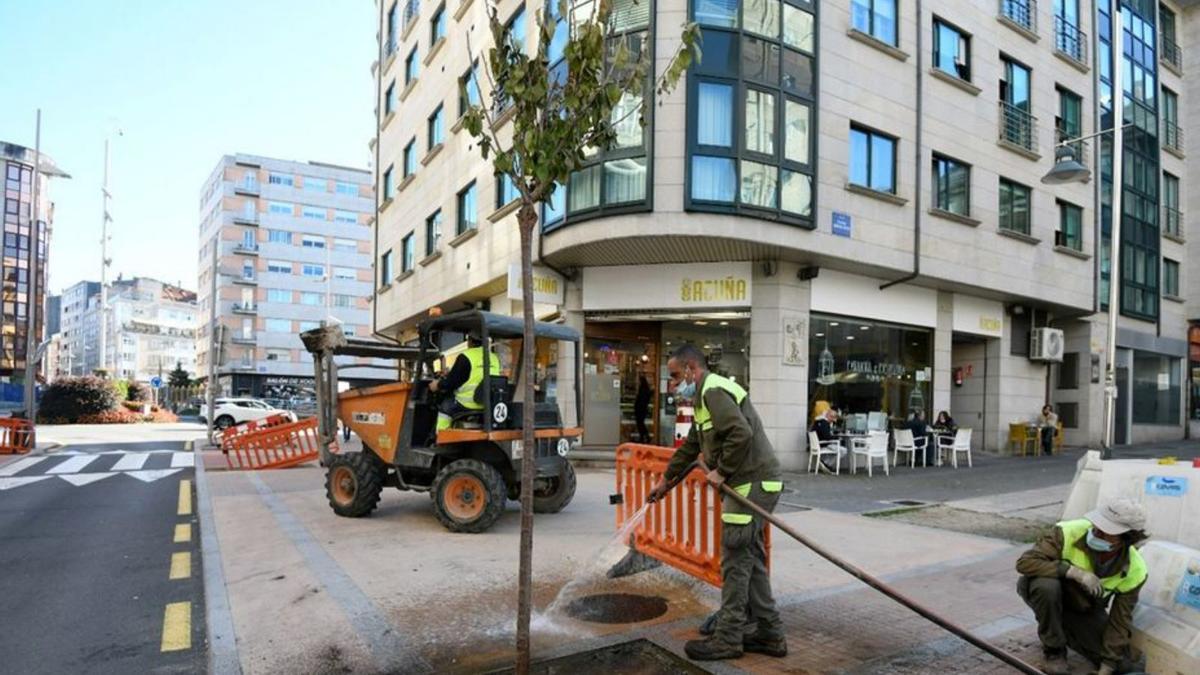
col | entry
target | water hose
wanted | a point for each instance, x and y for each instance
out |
(878, 585)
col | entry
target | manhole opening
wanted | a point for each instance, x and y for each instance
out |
(906, 502)
(637, 657)
(617, 608)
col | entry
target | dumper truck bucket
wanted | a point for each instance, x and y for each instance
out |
(376, 414)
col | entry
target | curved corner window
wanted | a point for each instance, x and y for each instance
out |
(617, 179)
(751, 109)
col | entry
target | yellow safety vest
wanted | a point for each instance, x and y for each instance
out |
(465, 395)
(1121, 582)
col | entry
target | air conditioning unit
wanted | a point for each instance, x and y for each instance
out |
(1046, 344)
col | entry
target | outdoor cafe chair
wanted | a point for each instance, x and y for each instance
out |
(905, 442)
(817, 448)
(873, 446)
(960, 443)
(1022, 436)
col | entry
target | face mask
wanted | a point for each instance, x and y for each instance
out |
(1097, 544)
(686, 390)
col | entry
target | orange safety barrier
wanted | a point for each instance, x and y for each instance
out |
(251, 425)
(16, 436)
(274, 447)
(683, 529)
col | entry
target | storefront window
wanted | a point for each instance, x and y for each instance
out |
(1155, 389)
(862, 367)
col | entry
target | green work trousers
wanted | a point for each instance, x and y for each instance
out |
(745, 585)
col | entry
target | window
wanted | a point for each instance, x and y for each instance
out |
(345, 245)
(348, 217)
(345, 301)
(437, 25)
(1172, 218)
(1172, 137)
(1156, 395)
(392, 22)
(247, 270)
(279, 295)
(407, 253)
(872, 159)
(279, 355)
(506, 190)
(389, 99)
(750, 111)
(345, 273)
(280, 266)
(387, 182)
(312, 213)
(312, 241)
(347, 330)
(308, 325)
(468, 89)
(280, 208)
(279, 237)
(1014, 206)
(347, 188)
(951, 186)
(436, 131)
(876, 18)
(385, 269)
(315, 184)
(410, 158)
(312, 299)
(1170, 278)
(1170, 47)
(312, 270)
(468, 210)
(279, 326)
(1016, 122)
(1070, 226)
(1067, 38)
(433, 232)
(1068, 124)
(280, 179)
(1068, 371)
(516, 30)
(951, 50)
(410, 67)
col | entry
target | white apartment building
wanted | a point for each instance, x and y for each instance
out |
(292, 245)
(842, 201)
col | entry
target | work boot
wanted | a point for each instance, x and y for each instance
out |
(710, 649)
(761, 642)
(1056, 663)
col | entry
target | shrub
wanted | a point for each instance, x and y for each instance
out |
(162, 417)
(115, 416)
(122, 388)
(138, 391)
(69, 398)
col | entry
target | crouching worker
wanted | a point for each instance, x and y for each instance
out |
(729, 433)
(1082, 581)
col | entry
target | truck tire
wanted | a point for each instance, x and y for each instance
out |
(555, 493)
(468, 496)
(353, 483)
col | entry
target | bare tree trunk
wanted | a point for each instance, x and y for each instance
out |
(526, 221)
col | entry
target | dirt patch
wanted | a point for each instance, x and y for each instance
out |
(1020, 530)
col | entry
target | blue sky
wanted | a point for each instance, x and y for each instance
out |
(186, 81)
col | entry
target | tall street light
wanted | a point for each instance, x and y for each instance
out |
(1067, 169)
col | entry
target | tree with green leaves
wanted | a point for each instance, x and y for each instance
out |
(178, 377)
(540, 127)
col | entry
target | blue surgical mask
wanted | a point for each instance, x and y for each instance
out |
(1097, 544)
(686, 390)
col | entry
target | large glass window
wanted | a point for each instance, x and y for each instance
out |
(1014, 206)
(1068, 123)
(951, 186)
(468, 209)
(1156, 395)
(951, 50)
(1016, 122)
(871, 369)
(872, 159)
(506, 190)
(750, 110)
(1070, 226)
(876, 18)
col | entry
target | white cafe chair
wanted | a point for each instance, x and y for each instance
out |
(817, 448)
(905, 442)
(961, 442)
(872, 447)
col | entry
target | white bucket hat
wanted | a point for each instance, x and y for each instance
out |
(1118, 516)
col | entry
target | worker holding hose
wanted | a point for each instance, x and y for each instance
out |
(1073, 573)
(727, 431)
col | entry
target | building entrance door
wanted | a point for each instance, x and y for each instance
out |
(619, 375)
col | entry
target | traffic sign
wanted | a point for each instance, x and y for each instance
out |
(156, 382)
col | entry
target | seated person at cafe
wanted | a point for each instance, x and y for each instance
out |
(1048, 421)
(920, 431)
(824, 418)
(945, 422)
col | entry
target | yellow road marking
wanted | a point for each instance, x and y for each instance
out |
(177, 627)
(185, 497)
(183, 533)
(181, 565)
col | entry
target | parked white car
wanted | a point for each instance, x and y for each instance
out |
(231, 411)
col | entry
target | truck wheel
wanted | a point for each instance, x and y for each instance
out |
(551, 495)
(353, 483)
(224, 422)
(468, 495)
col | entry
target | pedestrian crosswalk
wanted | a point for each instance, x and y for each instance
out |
(82, 468)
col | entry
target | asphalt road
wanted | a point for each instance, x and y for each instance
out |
(99, 561)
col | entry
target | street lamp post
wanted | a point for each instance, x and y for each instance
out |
(32, 305)
(1067, 169)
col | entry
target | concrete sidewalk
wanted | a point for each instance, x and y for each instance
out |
(309, 591)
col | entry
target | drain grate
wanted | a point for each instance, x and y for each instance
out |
(617, 608)
(906, 502)
(637, 657)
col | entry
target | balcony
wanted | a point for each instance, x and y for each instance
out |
(1172, 138)
(1172, 222)
(245, 308)
(1018, 130)
(243, 339)
(246, 280)
(246, 219)
(1021, 14)
(1070, 41)
(246, 249)
(1170, 54)
(241, 365)
(247, 188)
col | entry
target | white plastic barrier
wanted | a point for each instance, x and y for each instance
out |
(1167, 619)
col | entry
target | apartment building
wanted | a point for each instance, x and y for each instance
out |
(290, 245)
(842, 202)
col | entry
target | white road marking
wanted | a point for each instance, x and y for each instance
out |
(181, 460)
(73, 465)
(151, 476)
(131, 461)
(9, 483)
(81, 479)
(19, 465)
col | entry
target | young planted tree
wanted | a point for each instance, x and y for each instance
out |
(545, 117)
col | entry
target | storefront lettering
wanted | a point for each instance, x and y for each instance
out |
(729, 289)
(990, 324)
(872, 368)
(547, 285)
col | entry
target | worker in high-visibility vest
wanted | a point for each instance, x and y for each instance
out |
(463, 379)
(1082, 581)
(730, 434)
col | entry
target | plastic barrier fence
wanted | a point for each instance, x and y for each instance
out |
(248, 426)
(274, 447)
(683, 529)
(16, 436)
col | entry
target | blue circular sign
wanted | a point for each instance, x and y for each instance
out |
(156, 382)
